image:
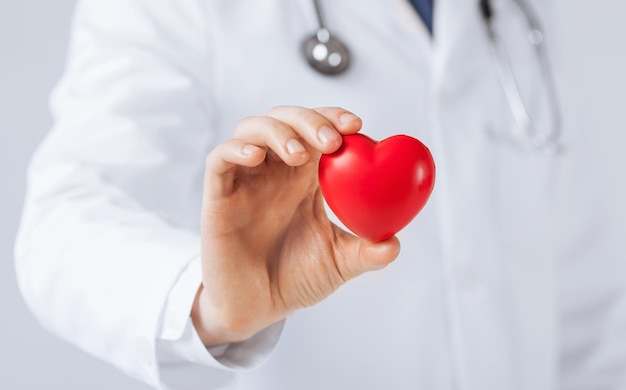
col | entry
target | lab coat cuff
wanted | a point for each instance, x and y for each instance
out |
(180, 343)
(180, 301)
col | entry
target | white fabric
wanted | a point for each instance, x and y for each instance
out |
(179, 341)
(181, 354)
(506, 280)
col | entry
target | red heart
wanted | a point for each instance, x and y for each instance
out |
(377, 188)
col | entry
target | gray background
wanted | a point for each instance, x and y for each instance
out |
(33, 37)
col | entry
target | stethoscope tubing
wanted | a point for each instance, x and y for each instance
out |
(540, 139)
(330, 56)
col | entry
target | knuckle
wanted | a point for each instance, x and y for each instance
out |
(211, 163)
(244, 124)
(256, 128)
(330, 111)
(219, 152)
(210, 158)
(277, 110)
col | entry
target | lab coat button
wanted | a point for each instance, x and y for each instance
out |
(144, 351)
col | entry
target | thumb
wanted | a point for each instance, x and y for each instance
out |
(360, 256)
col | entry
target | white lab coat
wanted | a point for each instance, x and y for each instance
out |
(505, 280)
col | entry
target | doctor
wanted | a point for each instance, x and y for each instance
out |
(167, 235)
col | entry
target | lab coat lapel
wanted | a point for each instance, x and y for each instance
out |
(473, 188)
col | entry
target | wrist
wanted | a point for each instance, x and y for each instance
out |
(211, 331)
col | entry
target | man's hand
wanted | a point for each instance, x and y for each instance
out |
(268, 247)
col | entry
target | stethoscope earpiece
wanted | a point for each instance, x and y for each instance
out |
(325, 53)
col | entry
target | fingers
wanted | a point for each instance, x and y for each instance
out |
(221, 162)
(267, 132)
(344, 121)
(291, 133)
(288, 129)
(358, 255)
(313, 127)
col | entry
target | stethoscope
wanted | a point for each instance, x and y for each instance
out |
(329, 56)
(325, 53)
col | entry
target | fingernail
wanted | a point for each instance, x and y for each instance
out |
(326, 135)
(293, 146)
(248, 150)
(347, 117)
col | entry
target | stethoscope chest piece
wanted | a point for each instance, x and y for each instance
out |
(325, 53)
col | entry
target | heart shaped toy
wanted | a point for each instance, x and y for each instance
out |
(377, 188)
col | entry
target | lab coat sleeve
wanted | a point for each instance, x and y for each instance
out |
(591, 276)
(110, 225)
(183, 356)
